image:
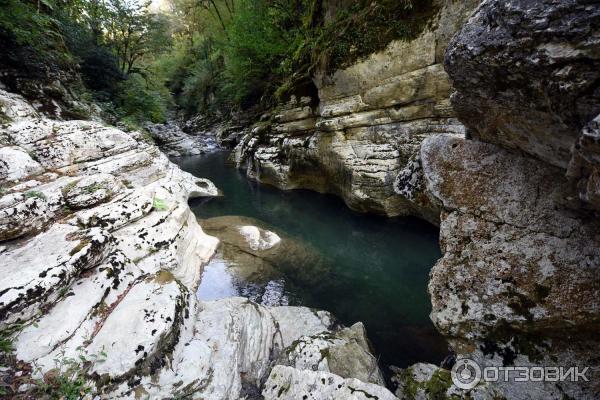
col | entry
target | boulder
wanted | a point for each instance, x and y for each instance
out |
(177, 143)
(290, 383)
(517, 259)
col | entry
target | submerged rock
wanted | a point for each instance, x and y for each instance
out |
(258, 263)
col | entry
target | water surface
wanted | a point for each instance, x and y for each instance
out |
(380, 267)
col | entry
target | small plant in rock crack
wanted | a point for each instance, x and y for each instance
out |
(159, 204)
(35, 194)
(68, 380)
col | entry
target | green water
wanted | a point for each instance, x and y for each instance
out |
(380, 267)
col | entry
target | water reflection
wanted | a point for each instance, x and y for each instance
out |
(365, 268)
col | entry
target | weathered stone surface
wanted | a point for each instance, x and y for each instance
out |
(91, 190)
(346, 354)
(47, 264)
(99, 257)
(584, 167)
(526, 74)
(427, 381)
(290, 383)
(518, 259)
(17, 164)
(177, 143)
(366, 130)
(518, 281)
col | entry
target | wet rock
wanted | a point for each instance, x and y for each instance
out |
(177, 143)
(258, 256)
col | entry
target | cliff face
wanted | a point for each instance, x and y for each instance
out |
(519, 280)
(510, 166)
(359, 137)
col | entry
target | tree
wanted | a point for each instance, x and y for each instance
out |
(132, 31)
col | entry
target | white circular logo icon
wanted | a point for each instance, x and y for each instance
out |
(466, 374)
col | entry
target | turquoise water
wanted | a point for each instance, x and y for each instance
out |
(379, 267)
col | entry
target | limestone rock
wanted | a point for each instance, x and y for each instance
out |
(519, 232)
(91, 190)
(99, 257)
(584, 167)
(16, 164)
(517, 258)
(427, 381)
(177, 143)
(289, 383)
(526, 74)
(345, 353)
(366, 131)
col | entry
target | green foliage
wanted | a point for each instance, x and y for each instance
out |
(6, 345)
(213, 56)
(137, 101)
(263, 50)
(35, 194)
(259, 40)
(68, 380)
(159, 204)
(28, 24)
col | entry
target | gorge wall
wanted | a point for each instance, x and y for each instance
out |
(360, 138)
(519, 280)
(508, 167)
(96, 222)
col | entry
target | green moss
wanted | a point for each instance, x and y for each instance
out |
(35, 194)
(435, 388)
(79, 247)
(4, 119)
(159, 204)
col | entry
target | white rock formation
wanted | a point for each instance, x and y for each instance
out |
(176, 143)
(100, 256)
(259, 239)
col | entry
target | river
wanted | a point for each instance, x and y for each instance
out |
(379, 266)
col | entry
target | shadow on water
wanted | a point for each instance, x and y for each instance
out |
(379, 266)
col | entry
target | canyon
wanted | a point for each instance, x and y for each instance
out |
(486, 125)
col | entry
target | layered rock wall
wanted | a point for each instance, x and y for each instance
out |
(360, 138)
